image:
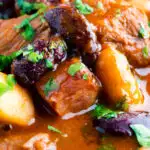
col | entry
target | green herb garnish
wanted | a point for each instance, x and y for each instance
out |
(51, 85)
(49, 64)
(85, 76)
(118, 12)
(35, 57)
(107, 147)
(145, 52)
(74, 68)
(143, 33)
(122, 104)
(51, 128)
(100, 5)
(9, 85)
(101, 111)
(142, 134)
(6, 61)
(83, 8)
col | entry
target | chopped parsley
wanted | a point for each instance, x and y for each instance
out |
(106, 147)
(100, 5)
(5, 61)
(101, 111)
(28, 7)
(35, 57)
(74, 68)
(145, 52)
(9, 85)
(149, 23)
(83, 8)
(51, 85)
(142, 134)
(49, 64)
(51, 128)
(122, 104)
(118, 12)
(143, 33)
(85, 76)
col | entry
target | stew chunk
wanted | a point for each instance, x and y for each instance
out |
(114, 72)
(15, 102)
(71, 88)
(127, 27)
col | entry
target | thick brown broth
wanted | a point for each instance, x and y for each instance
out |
(81, 135)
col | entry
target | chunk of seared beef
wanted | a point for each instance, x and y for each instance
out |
(38, 58)
(121, 124)
(7, 9)
(11, 39)
(127, 28)
(67, 90)
(74, 28)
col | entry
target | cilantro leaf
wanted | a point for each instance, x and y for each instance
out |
(51, 128)
(51, 85)
(145, 52)
(101, 111)
(6, 61)
(74, 68)
(83, 8)
(142, 134)
(3, 88)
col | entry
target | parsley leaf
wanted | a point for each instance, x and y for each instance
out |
(83, 8)
(74, 68)
(51, 85)
(10, 83)
(49, 64)
(100, 5)
(142, 134)
(35, 57)
(107, 147)
(85, 76)
(6, 61)
(101, 111)
(143, 33)
(145, 52)
(51, 128)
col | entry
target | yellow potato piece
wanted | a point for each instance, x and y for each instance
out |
(16, 105)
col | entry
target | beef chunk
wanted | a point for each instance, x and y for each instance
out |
(66, 92)
(38, 58)
(74, 28)
(121, 124)
(126, 27)
(11, 39)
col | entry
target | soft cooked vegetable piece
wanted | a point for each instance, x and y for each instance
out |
(114, 72)
(72, 93)
(15, 104)
(121, 124)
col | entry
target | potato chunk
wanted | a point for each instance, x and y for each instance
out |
(114, 72)
(15, 105)
(75, 87)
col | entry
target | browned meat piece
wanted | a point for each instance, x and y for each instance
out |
(11, 40)
(74, 28)
(38, 58)
(66, 92)
(127, 27)
(40, 141)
